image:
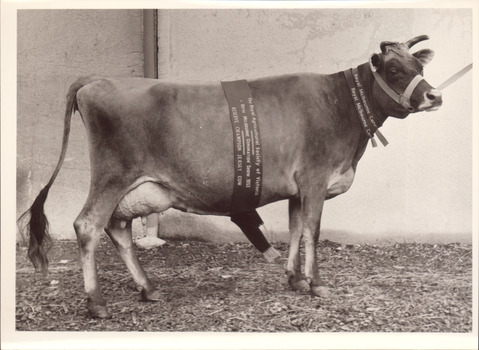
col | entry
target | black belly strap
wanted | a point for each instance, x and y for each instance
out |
(249, 222)
(247, 157)
(248, 165)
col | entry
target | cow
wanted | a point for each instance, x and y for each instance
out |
(158, 144)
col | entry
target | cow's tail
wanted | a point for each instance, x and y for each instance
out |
(33, 224)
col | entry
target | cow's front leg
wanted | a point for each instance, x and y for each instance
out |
(122, 238)
(293, 266)
(312, 210)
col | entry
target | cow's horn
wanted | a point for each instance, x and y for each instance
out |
(414, 41)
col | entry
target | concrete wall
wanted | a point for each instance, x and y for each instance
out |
(54, 48)
(418, 188)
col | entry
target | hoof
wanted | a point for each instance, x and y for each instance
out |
(97, 311)
(150, 296)
(299, 284)
(320, 291)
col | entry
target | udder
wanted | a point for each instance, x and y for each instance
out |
(143, 200)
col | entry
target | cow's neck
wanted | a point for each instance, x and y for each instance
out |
(368, 111)
(367, 80)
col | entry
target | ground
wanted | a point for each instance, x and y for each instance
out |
(229, 287)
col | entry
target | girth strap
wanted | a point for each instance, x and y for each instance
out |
(248, 158)
(250, 222)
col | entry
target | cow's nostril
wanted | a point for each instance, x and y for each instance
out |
(434, 95)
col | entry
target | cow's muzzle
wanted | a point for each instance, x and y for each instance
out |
(432, 101)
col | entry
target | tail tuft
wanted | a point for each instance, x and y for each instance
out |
(36, 230)
(33, 224)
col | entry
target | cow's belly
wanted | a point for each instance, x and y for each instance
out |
(340, 182)
(150, 197)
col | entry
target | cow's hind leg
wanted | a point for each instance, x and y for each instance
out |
(89, 226)
(88, 232)
(293, 266)
(122, 238)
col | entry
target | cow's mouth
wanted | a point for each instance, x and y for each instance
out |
(432, 108)
(429, 106)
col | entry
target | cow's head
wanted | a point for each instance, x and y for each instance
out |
(399, 85)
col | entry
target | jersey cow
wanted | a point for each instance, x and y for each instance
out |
(164, 144)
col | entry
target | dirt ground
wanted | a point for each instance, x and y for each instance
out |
(229, 287)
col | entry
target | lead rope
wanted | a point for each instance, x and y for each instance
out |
(455, 77)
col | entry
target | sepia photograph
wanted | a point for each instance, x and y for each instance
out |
(216, 175)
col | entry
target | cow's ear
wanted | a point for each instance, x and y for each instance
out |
(375, 61)
(424, 56)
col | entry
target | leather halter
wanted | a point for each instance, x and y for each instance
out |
(404, 98)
